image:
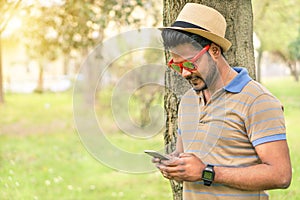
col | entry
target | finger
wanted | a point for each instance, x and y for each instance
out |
(166, 175)
(173, 163)
(182, 155)
(174, 171)
(168, 163)
(155, 160)
(179, 176)
(161, 167)
(174, 154)
(178, 163)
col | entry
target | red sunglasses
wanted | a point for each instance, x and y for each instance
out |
(187, 64)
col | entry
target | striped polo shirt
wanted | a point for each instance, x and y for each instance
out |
(224, 132)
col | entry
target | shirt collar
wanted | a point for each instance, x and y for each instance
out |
(239, 82)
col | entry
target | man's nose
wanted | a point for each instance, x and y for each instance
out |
(185, 73)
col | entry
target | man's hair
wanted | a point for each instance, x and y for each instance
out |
(172, 38)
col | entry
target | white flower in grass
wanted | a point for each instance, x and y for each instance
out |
(47, 182)
(57, 179)
(50, 170)
(92, 187)
(70, 187)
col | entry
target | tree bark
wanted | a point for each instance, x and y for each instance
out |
(239, 18)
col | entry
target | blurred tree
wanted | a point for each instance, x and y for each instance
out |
(294, 48)
(276, 24)
(294, 52)
(239, 17)
(70, 29)
(40, 37)
(7, 10)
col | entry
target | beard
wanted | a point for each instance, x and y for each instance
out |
(197, 82)
(200, 83)
(213, 75)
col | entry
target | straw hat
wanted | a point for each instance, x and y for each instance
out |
(204, 21)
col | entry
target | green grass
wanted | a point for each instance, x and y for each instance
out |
(58, 167)
(42, 157)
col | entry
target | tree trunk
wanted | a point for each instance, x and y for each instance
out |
(239, 19)
(293, 68)
(259, 59)
(297, 72)
(1, 75)
(40, 83)
(66, 65)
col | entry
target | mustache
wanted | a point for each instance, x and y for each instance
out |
(193, 77)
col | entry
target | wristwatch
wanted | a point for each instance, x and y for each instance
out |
(208, 175)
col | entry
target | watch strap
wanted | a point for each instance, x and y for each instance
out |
(207, 183)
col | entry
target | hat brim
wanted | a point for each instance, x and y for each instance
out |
(222, 42)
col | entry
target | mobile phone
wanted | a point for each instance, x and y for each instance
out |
(156, 154)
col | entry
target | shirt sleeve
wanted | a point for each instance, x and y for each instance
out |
(265, 120)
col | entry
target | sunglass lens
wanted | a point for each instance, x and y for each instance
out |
(188, 65)
(176, 68)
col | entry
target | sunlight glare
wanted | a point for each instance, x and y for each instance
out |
(14, 24)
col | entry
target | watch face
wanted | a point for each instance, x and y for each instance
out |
(207, 175)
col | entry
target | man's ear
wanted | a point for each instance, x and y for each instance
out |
(215, 51)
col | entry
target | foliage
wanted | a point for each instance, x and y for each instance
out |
(276, 23)
(39, 36)
(74, 26)
(70, 29)
(294, 48)
(7, 10)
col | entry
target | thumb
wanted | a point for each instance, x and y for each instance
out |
(182, 155)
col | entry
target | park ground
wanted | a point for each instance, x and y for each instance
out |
(42, 157)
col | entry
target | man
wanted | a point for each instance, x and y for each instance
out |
(231, 132)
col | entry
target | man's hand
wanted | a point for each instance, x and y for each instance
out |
(174, 155)
(187, 167)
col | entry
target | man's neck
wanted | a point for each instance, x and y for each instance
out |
(226, 77)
